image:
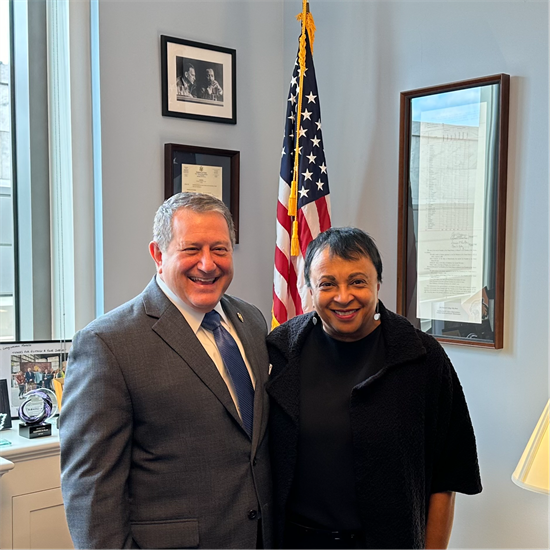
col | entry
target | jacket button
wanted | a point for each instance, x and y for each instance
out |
(252, 514)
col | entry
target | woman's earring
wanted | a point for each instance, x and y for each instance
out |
(377, 312)
(314, 319)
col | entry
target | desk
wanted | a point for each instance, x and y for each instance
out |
(31, 507)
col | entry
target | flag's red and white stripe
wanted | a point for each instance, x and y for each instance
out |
(291, 296)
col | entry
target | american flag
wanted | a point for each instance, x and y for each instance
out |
(290, 294)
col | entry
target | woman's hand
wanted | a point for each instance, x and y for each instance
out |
(440, 520)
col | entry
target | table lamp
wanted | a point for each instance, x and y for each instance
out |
(532, 471)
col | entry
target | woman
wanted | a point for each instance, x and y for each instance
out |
(20, 380)
(369, 429)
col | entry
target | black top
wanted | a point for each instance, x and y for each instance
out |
(412, 433)
(323, 493)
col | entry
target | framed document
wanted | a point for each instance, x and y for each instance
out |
(29, 366)
(195, 169)
(452, 209)
(199, 81)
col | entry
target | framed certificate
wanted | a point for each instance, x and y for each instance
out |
(193, 169)
(452, 209)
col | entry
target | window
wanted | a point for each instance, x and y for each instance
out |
(7, 260)
(47, 142)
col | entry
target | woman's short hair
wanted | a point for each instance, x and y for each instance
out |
(197, 202)
(349, 243)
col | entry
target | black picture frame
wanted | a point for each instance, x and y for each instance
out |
(202, 99)
(452, 209)
(5, 406)
(176, 155)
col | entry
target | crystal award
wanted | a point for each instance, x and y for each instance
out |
(37, 408)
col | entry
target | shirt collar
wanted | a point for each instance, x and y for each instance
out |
(194, 318)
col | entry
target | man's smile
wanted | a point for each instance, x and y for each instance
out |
(203, 280)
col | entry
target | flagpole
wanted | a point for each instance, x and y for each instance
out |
(309, 214)
(293, 199)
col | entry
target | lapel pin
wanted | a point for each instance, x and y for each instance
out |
(240, 317)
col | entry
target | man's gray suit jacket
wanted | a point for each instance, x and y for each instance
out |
(153, 452)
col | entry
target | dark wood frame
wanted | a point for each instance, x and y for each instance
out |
(215, 158)
(405, 225)
(195, 110)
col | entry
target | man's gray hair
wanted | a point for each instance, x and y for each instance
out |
(197, 202)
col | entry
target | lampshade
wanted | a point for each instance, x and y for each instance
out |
(532, 471)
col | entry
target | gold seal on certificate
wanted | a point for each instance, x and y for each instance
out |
(199, 178)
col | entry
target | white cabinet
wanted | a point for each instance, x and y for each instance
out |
(31, 508)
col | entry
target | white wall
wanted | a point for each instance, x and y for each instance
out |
(366, 53)
(134, 132)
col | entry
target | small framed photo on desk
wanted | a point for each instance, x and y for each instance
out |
(32, 365)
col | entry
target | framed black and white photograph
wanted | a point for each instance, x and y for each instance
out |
(196, 169)
(32, 365)
(198, 80)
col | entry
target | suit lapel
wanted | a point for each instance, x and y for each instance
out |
(172, 327)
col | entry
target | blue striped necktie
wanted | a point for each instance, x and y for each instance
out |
(234, 363)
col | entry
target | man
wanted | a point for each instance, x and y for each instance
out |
(29, 379)
(38, 377)
(159, 448)
(48, 377)
(185, 85)
(212, 90)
